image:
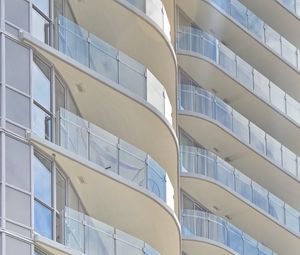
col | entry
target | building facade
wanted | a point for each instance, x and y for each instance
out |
(158, 127)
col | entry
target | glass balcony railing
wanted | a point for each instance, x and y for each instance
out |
(195, 99)
(113, 154)
(92, 237)
(194, 40)
(205, 225)
(155, 10)
(259, 29)
(292, 5)
(201, 162)
(102, 58)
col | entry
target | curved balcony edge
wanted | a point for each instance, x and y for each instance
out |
(44, 49)
(287, 185)
(195, 244)
(62, 154)
(228, 131)
(235, 80)
(233, 193)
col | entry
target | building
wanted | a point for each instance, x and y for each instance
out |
(133, 127)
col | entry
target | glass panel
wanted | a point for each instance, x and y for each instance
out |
(131, 166)
(274, 150)
(187, 97)
(203, 101)
(261, 85)
(98, 237)
(276, 208)
(103, 152)
(260, 197)
(273, 39)
(140, 4)
(127, 244)
(42, 220)
(257, 138)
(277, 97)
(209, 46)
(243, 185)
(292, 219)
(239, 12)
(43, 5)
(41, 88)
(225, 173)
(255, 25)
(227, 60)
(244, 73)
(73, 41)
(73, 133)
(241, 126)
(42, 179)
(293, 108)
(224, 113)
(42, 123)
(155, 92)
(60, 191)
(289, 51)
(156, 179)
(60, 95)
(103, 59)
(40, 27)
(132, 80)
(234, 239)
(154, 11)
(250, 246)
(289, 160)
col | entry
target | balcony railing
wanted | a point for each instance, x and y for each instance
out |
(92, 237)
(196, 41)
(195, 99)
(87, 49)
(205, 225)
(292, 5)
(155, 10)
(201, 162)
(113, 154)
(259, 29)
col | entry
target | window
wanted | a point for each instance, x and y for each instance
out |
(41, 21)
(41, 92)
(43, 196)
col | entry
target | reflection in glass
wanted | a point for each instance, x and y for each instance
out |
(42, 220)
(42, 179)
(40, 27)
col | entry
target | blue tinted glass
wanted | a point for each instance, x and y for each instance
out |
(41, 83)
(42, 5)
(42, 220)
(42, 179)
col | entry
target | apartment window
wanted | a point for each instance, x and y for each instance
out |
(43, 196)
(41, 92)
(41, 20)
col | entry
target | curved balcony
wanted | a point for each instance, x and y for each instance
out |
(145, 21)
(239, 198)
(240, 142)
(287, 10)
(128, 100)
(104, 168)
(233, 20)
(82, 234)
(258, 98)
(200, 226)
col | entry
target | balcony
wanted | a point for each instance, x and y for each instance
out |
(235, 196)
(240, 142)
(258, 98)
(287, 10)
(199, 226)
(233, 20)
(145, 21)
(82, 234)
(98, 74)
(104, 168)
